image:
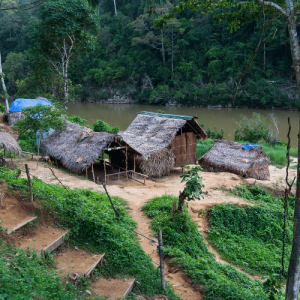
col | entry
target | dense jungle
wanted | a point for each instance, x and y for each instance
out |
(193, 60)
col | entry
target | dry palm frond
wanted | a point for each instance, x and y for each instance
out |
(9, 144)
(227, 156)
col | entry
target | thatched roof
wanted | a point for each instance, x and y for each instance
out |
(76, 143)
(227, 156)
(149, 133)
(9, 144)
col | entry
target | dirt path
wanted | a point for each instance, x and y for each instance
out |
(137, 195)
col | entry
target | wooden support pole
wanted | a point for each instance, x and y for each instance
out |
(93, 173)
(161, 256)
(173, 208)
(104, 170)
(112, 204)
(1, 198)
(86, 172)
(126, 163)
(97, 178)
(119, 175)
(144, 180)
(29, 183)
(133, 165)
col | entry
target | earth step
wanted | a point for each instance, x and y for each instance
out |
(23, 223)
(45, 238)
(77, 262)
(112, 289)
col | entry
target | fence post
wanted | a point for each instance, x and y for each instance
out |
(1, 198)
(161, 256)
(173, 208)
(29, 183)
(18, 174)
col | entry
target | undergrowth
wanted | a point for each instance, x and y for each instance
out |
(187, 249)
(251, 236)
(94, 227)
(23, 275)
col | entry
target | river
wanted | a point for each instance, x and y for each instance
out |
(123, 114)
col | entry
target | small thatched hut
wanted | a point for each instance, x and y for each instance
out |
(165, 141)
(227, 156)
(78, 147)
(9, 144)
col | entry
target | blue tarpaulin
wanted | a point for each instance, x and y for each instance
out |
(44, 135)
(20, 104)
(249, 146)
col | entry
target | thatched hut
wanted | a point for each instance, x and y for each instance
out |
(9, 144)
(78, 147)
(227, 156)
(165, 141)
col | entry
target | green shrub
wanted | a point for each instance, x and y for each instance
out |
(2, 109)
(187, 249)
(251, 129)
(27, 141)
(101, 126)
(215, 134)
(204, 146)
(77, 120)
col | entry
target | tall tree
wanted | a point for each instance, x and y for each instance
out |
(4, 86)
(65, 30)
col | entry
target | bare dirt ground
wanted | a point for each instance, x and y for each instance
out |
(137, 196)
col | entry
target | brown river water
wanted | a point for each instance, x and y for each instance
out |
(123, 114)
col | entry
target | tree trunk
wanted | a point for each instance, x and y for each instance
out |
(181, 199)
(172, 63)
(66, 92)
(292, 285)
(3, 86)
(162, 46)
(115, 5)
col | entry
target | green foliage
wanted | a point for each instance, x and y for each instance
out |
(193, 182)
(95, 227)
(23, 275)
(273, 286)
(251, 236)
(40, 117)
(204, 146)
(2, 109)
(27, 141)
(101, 126)
(215, 134)
(251, 130)
(77, 120)
(187, 249)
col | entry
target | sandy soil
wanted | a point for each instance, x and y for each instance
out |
(137, 196)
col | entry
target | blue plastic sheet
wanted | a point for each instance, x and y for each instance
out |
(249, 146)
(20, 104)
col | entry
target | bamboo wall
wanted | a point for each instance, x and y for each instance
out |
(184, 148)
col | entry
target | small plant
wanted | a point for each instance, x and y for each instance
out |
(2, 109)
(214, 134)
(161, 111)
(273, 286)
(193, 186)
(101, 126)
(77, 120)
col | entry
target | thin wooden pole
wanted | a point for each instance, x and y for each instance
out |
(18, 174)
(1, 198)
(39, 143)
(29, 183)
(119, 175)
(104, 170)
(133, 165)
(126, 164)
(161, 256)
(93, 172)
(97, 178)
(112, 204)
(57, 178)
(173, 208)
(86, 172)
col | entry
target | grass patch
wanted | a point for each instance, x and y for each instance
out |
(186, 248)
(204, 146)
(251, 236)
(95, 227)
(25, 276)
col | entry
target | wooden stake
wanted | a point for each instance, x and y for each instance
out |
(104, 185)
(161, 256)
(18, 174)
(144, 180)
(173, 208)
(93, 172)
(86, 172)
(133, 165)
(1, 198)
(104, 170)
(29, 183)
(97, 178)
(126, 164)
(119, 175)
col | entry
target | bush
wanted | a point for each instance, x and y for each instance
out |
(251, 130)
(2, 109)
(215, 134)
(101, 126)
(204, 146)
(77, 120)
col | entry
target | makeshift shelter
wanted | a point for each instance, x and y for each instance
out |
(15, 111)
(227, 156)
(165, 141)
(78, 147)
(9, 144)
